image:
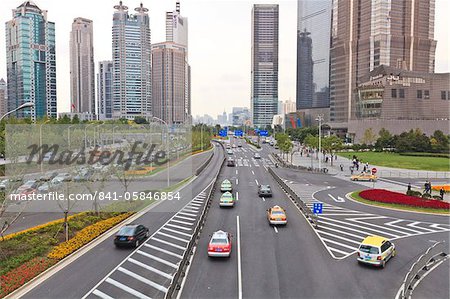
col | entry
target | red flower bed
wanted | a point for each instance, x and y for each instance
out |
(386, 196)
(22, 274)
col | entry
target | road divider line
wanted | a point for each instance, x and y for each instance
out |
(126, 288)
(143, 279)
(256, 182)
(237, 181)
(253, 172)
(238, 240)
(237, 196)
(101, 295)
(162, 261)
(151, 269)
(263, 198)
(275, 229)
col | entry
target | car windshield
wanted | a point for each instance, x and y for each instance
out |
(277, 213)
(126, 231)
(265, 188)
(227, 196)
(368, 249)
(219, 241)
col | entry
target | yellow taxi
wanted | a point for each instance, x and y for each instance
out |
(365, 176)
(276, 215)
(376, 250)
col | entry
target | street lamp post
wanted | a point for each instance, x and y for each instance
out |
(85, 134)
(201, 135)
(23, 106)
(320, 119)
(113, 136)
(167, 148)
(68, 134)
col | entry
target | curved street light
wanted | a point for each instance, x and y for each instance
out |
(167, 148)
(23, 106)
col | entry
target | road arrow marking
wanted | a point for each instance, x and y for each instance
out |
(338, 199)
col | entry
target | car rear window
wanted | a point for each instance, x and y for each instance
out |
(369, 249)
(219, 241)
(277, 212)
(126, 231)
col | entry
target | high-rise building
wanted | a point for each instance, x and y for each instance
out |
(3, 98)
(168, 82)
(366, 34)
(264, 72)
(104, 90)
(131, 52)
(176, 27)
(240, 116)
(313, 53)
(82, 73)
(177, 32)
(31, 61)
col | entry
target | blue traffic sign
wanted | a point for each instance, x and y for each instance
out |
(263, 133)
(238, 133)
(223, 133)
(317, 208)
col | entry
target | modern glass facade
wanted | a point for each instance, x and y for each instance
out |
(131, 52)
(104, 90)
(313, 53)
(264, 73)
(31, 61)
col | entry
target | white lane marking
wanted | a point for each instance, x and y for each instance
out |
(321, 220)
(237, 196)
(342, 214)
(342, 232)
(338, 199)
(237, 181)
(236, 171)
(265, 168)
(263, 199)
(162, 261)
(163, 251)
(275, 229)
(190, 206)
(168, 243)
(151, 269)
(342, 238)
(187, 214)
(402, 227)
(173, 237)
(177, 232)
(144, 280)
(182, 222)
(126, 289)
(414, 224)
(185, 218)
(256, 182)
(338, 251)
(340, 244)
(253, 172)
(179, 227)
(363, 227)
(238, 240)
(195, 204)
(381, 227)
(101, 295)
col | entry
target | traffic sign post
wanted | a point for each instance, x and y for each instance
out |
(238, 133)
(223, 133)
(374, 170)
(263, 133)
(317, 208)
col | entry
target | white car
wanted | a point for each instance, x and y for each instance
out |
(220, 244)
(62, 177)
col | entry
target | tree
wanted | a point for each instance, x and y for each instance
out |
(412, 141)
(75, 119)
(385, 140)
(439, 142)
(369, 137)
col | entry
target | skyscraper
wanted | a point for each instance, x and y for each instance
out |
(264, 72)
(366, 34)
(104, 90)
(168, 82)
(313, 53)
(3, 97)
(131, 63)
(82, 74)
(31, 61)
(177, 32)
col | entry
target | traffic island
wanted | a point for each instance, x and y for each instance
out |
(399, 201)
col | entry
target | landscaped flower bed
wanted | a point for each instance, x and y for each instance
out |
(386, 196)
(22, 274)
(438, 188)
(85, 236)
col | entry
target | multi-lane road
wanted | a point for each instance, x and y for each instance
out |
(292, 261)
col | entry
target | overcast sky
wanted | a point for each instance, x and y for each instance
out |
(219, 44)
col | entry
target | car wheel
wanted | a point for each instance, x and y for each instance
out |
(394, 253)
(147, 234)
(383, 264)
(136, 244)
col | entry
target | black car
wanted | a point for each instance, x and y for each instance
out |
(231, 162)
(264, 190)
(131, 235)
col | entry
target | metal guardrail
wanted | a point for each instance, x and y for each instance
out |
(298, 167)
(414, 174)
(175, 285)
(431, 257)
(297, 200)
(203, 166)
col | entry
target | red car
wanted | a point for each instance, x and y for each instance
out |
(220, 244)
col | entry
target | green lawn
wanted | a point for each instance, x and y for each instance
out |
(397, 161)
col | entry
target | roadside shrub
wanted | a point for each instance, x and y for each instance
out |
(426, 195)
(85, 235)
(414, 193)
(437, 197)
(385, 196)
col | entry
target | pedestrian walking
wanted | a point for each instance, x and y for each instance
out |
(351, 169)
(442, 192)
(342, 167)
(364, 169)
(429, 187)
(409, 187)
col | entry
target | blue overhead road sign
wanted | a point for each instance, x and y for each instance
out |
(238, 133)
(223, 133)
(263, 133)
